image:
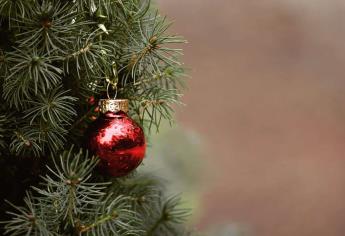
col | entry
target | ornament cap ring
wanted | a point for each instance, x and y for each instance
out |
(113, 105)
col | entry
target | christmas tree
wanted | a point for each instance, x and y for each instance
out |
(60, 173)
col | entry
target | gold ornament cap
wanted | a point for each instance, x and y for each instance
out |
(113, 105)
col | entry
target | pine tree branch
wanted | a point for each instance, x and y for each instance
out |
(84, 49)
(60, 47)
(2, 56)
(153, 229)
(101, 220)
(81, 119)
(169, 216)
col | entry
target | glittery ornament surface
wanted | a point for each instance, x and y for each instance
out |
(118, 141)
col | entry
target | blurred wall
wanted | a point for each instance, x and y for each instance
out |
(267, 95)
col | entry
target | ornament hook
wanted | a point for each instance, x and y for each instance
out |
(115, 88)
(112, 81)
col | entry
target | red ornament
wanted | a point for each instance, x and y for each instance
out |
(93, 118)
(91, 100)
(116, 139)
(96, 109)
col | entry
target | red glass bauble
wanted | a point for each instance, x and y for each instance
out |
(118, 141)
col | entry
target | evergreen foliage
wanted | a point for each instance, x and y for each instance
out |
(54, 56)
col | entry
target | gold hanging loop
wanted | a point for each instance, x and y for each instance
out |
(108, 88)
(113, 80)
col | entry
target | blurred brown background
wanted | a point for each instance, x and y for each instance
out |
(267, 95)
